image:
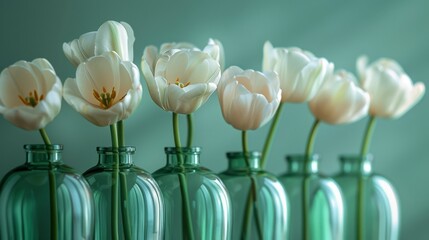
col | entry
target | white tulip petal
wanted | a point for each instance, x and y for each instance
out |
(150, 56)
(113, 36)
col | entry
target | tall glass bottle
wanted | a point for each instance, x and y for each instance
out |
(315, 201)
(197, 204)
(138, 212)
(259, 202)
(27, 192)
(372, 208)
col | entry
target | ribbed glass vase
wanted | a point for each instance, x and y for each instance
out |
(197, 204)
(315, 201)
(371, 202)
(128, 202)
(45, 199)
(259, 202)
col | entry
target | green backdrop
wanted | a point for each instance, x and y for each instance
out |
(337, 30)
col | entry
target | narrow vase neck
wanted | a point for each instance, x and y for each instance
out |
(238, 161)
(109, 155)
(302, 164)
(183, 156)
(356, 164)
(43, 154)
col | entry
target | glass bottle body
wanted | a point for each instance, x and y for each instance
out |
(371, 202)
(196, 201)
(315, 201)
(259, 202)
(136, 211)
(26, 194)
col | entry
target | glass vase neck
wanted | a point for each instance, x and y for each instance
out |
(43, 154)
(183, 155)
(356, 164)
(302, 163)
(240, 161)
(108, 155)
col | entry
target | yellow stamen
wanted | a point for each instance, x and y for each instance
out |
(181, 85)
(105, 98)
(32, 100)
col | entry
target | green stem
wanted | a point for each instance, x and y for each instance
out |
(361, 179)
(270, 136)
(115, 185)
(305, 184)
(310, 141)
(190, 130)
(368, 135)
(188, 231)
(251, 197)
(52, 191)
(121, 138)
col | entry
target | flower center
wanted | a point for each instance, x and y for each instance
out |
(105, 98)
(181, 85)
(32, 100)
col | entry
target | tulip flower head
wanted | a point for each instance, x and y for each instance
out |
(30, 94)
(111, 36)
(180, 80)
(340, 100)
(301, 74)
(106, 89)
(391, 89)
(248, 98)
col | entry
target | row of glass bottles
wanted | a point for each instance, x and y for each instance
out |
(257, 204)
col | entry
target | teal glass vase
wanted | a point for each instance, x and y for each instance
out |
(128, 202)
(259, 202)
(197, 204)
(371, 203)
(316, 202)
(45, 199)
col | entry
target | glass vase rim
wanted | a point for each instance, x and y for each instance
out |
(347, 157)
(43, 147)
(241, 154)
(302, 156)
(110, 149)
(183, 150)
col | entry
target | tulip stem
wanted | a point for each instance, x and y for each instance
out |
(251, 197)
(270, 136)
(361, 179)
(190, 130)
(368, 135)
(115, 186)
(52, 190)
(188, 231)
(124, 186)
(305, 184)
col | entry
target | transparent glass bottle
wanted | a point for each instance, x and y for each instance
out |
(322, 215)
(197, 204)
(377, 198)
(259, 202)
(138, 212)
(27, 191)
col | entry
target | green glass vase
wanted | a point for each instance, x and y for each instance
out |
(315, 201)
(41, 190)
(136, 210)
(259, 202)
(197, 204)
(371, 202)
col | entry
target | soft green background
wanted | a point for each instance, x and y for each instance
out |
(337, 30)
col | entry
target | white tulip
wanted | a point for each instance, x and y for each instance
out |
(248, 98)
(180, 80)
(340, 100)
(106, 89)
(390, 88)
(30, 94)
(111, 36)
(301, 74)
